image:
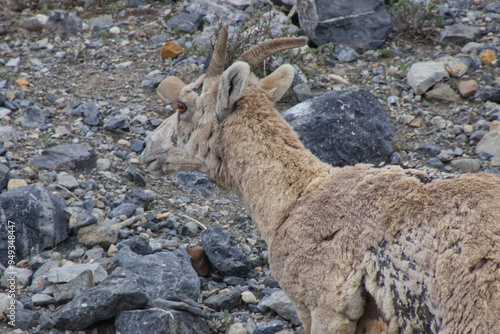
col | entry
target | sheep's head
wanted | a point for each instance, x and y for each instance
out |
(186, 140)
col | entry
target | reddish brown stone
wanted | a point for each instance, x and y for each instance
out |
(21, 82)
(468, 88)
(487, 57)
(495, 126)
(170, 50)
(199, 260)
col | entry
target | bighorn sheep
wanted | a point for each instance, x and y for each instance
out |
(357, 249)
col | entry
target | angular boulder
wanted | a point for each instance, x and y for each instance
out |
(67, 156)
(36, 218)
(461, 34)
(423, 75)
(223, 253)
(120, 291)
(490, 144)
(343, 128)
(359, 23)
(196, 182)
(160, 321)
(67, 23)
(166, 274)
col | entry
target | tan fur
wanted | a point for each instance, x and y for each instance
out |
(426, 254)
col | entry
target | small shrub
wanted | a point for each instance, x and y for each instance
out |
(415, 17)
(257, 29)
(403, 68)
(385, 53)
(48, 141)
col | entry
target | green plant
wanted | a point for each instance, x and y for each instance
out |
(78, 50)
(225, 319)
(105, 34)
(403, 67)
(385, 53)
(261, 243)
(218, 183)
(261, 26)
(415, 18)
(217, 323)
(330, 47)
(203, 51)
(48, 141)
(55, 245)
(8, 76)
(114, 7)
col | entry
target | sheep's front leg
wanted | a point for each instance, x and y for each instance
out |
(304, 316)
(325, 321)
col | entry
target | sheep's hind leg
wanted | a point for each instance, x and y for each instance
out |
(330, 322)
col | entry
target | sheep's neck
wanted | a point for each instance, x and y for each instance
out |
(267, 166)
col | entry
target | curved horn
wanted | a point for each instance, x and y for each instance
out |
(218, 61)
(259, 53)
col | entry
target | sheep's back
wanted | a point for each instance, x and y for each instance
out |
(426, 251)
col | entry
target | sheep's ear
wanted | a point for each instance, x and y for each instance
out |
(232, 85)
(170, 88)
(276, 84)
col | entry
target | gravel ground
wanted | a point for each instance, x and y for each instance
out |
(115, 68)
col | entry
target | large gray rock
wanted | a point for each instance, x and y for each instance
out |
(79, 217)
(185, 22)
(281, 304)
(459, 4)
(38, 283)
(87, 109)
(185, 304)
(196, 182)
(489, 94)
(423, 75)
(124, 209)
(100, 22)
(226, 300)
(166, 274)
(116, 123)
(358, 23)
(140, 197)
(22, 277)
(26, 319)
(490, 143)
(65, 22)
(5, 174)
(223, 253)
(343, 128)
(269, 327)
(69, 273)
(36, 216)
(493, 7)
(32, 117)
(120, 291)
(466, 165)
(215, 11)
(156, 321)
(139, 246)
(8, 133)
(67, 156)
(461, 34)
(100, 233)
(65, 292)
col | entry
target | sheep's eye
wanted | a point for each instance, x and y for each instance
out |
(181, 107)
